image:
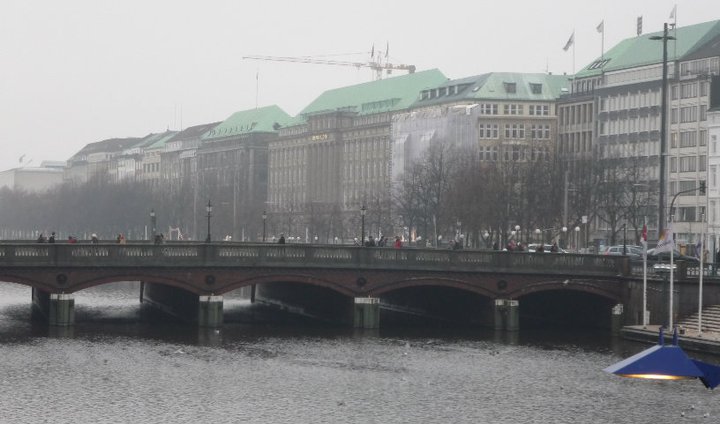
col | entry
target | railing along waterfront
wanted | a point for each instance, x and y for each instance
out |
(223, 254)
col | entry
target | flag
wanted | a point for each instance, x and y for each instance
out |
(372, 52)
(674, 11)
(639, 25)
(21, 158)
(601, 28)
(666, 242)
(570, 41)
(644, 232)
(387, 50)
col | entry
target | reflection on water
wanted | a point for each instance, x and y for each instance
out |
(119, 364)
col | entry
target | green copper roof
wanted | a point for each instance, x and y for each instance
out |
(157, 141)
(385, 95)
(497, 86)
(640, 51)
(265, 119)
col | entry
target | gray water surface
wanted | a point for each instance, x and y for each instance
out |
(118, 366)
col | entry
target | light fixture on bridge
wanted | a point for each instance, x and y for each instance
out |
(363, 209)
(538, 233)
(564, 231)
(666, 362)
(264, 217)
(577, 239)
(208, 209)
(153, 223)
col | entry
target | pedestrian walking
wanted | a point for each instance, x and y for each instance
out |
(398, 242)
(94, 239)
(52, 238)
(281, 240)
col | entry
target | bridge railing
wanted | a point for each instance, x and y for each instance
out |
(303, 256)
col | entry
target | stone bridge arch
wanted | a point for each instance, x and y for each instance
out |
(435, 281)
(607, 289)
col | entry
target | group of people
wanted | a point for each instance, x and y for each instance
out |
(72, 239)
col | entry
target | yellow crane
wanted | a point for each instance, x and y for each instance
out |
(375, 63)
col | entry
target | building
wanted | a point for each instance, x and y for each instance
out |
(33, 179)
(95, 159)
(614, 114)
(232, 163)
(335, 158)
(500, 116)
(713, 184)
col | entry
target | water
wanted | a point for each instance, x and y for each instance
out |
(115, 366)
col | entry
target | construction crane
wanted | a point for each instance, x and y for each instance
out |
(376, 63)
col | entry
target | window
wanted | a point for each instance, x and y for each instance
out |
(688, 139)
(488, 109)
(539, 110)
(514, 131)
(702, 163)
(536, 88)
(703, 112)
(510, 87)
(688, 90)
(688, 114)
(512, 109)
(488, 131)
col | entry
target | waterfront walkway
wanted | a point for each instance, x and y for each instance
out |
(688, 337)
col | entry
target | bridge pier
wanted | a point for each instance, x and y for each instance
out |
(57, 308)
(366, 312)
(210, 311)
(206, 311)
(618, 318)
(507, 315)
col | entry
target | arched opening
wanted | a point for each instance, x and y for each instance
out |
(565, 309)
(435, 305)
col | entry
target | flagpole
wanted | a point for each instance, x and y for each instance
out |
(702, 271)
(672, 273)
(644, 309)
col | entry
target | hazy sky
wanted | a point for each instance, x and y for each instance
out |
(74, 72)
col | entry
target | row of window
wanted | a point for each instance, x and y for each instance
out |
(515, 109)
(514, 131)
(688, 114)
(514, 153)
(633, 100)
(688, 164)
(689, 138)
(629, 126)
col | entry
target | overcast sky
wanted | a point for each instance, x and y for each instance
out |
(74, 72)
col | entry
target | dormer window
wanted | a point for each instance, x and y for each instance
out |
(510, 87)
(535, 88)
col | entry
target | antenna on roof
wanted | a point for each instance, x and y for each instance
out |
(257, 86)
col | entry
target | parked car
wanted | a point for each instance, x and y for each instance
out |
(665, 257)
(635, 252)
(532, 247)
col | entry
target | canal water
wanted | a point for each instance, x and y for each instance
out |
(121, 364)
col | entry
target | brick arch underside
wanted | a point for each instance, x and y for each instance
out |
(24, 281)
(594, 287)
(449, 282)
(77, 283)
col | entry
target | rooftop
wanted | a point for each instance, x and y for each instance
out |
(385, 95)
(642, 51)
(497, 86)
(262, 120)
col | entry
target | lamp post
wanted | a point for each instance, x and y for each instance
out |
(153, 223)
(517, 231)
(663, 124)
(363, 209)
(208, 209)
(564, 231)
(577, 239)
(538, 235)
(624, 239)
(486, 235)
(264, 217)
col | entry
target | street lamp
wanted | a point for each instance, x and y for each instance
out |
(624, 239)
(663, 124)
(486, 234)
(208, 209)
(264, 216)
(564, 231)
(537, 235)
(577, 239)
(363, 209)
(153, 222)
(517, 231)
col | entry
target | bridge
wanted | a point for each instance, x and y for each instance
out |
(347, 281)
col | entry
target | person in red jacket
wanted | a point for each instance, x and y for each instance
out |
(398, 242)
